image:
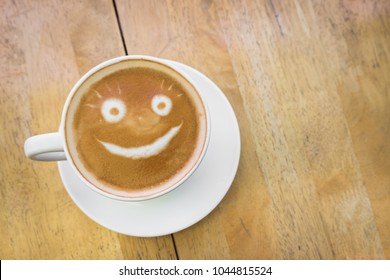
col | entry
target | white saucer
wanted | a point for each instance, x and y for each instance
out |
(187, 204)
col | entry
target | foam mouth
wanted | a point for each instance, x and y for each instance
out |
(144, 151)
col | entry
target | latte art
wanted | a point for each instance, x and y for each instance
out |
(161, 105)
(137, 130)
(113, 110)
(144, 151)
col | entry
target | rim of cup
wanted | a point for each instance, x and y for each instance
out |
(110, 62)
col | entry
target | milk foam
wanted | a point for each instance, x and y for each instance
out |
(143, 151)
(110, 104)
(158, 99)
(132, 163)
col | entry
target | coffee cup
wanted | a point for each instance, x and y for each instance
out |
(132, 128)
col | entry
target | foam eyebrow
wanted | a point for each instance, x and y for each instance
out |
(91, 106)
(119, 88)
(97, 93)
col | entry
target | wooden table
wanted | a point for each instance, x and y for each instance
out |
(309, 82)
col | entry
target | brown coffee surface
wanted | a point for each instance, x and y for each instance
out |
(140, 126)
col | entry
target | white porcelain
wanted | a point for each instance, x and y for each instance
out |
(54, 147)
(185, 205)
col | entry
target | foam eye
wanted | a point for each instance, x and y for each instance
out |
(161, 105)
(113, 110)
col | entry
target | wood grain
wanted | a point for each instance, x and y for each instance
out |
(192, 34)
(308, 81)
(320, 209)
(302, 193)
(45, 47)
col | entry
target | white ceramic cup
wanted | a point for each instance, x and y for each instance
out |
(54, 147)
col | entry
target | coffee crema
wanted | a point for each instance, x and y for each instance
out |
(137, 129)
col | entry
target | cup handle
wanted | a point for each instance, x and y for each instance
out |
(45, 147)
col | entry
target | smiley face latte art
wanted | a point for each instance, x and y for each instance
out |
(138, 128)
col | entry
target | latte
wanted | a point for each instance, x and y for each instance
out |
(135, 128)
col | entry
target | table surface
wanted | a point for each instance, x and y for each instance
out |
(309, 83)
